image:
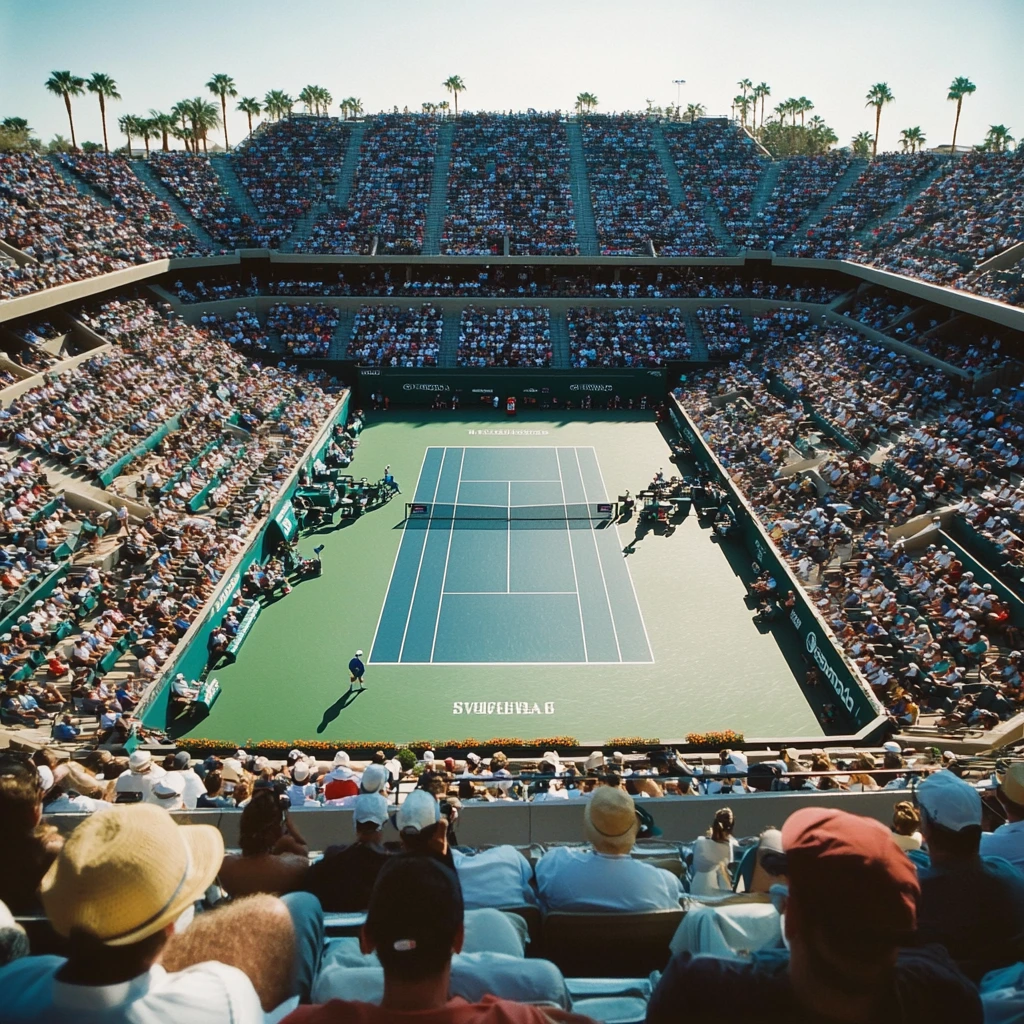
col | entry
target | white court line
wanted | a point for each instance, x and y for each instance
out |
(419, 568)
(629, 575)
(503, 593)
(597, 555)
(510, 481)
(520, 664)
(448, 553)
(508, 545)
(572, 558)
(394, 565)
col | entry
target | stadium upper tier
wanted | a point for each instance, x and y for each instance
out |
(486, 184)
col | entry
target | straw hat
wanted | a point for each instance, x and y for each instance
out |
(610, 823)
(126, 874)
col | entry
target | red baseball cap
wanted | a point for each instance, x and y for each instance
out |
(847, 871)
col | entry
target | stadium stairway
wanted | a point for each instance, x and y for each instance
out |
(338, 200)
(561, 358)
(81, 186)
(438, 204)
(668, 165)
(695, 336)
(865, 235)
(714, 222)
(765, 186)
(579, 182)
(342, 333)
(448, 356)
(224, 168)
(842, 186)
(152, 181)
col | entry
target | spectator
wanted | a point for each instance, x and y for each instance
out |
(274, 858)
(906, 826)
(972, 905)
(29, 847)
(851, 907)
(1007, 841)
(712, 855)
(415, 925)
(343, 878)
(115, 892)
(605, 877)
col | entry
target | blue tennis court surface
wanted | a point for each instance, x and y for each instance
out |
(508, 590)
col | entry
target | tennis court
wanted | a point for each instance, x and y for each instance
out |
(510, 556)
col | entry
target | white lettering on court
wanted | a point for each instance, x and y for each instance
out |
(502, 707)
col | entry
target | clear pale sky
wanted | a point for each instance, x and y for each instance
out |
(528, 53)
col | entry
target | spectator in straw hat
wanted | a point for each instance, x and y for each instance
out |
(605, 877)
(851, 906)
(1007, 841)
(115, 893)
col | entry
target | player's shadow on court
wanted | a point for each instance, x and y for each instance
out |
(336, 708)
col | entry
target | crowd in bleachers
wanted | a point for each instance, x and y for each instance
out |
(719, 158)
(287, 167)
(962, 219)
(724, 330)
(509, 175)
(69, 236)
(395, 336)
(884, 183)
(113, 177)
(505, 336)
(194, 181)
(389, 194)
(629, 192)
(626, 337)
(243, 330)
(803, 183)
(307, 329)
(215, 289)
(824, 918)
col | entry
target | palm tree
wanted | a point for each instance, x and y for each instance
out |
(179, 112)
(204, 118)
(958, 89)
(278, 104)
(223, 86)
(344, 105)
(996, 138)
(130, 125)
(745, 84)
(861, 144)
(105, 89)
(66, 85)
(355, 106)
(444, 107)
(454, 84)
(911, 139)
(877, 96)
(585, 102)
(325, 99)
(163, 125)
(308, 97)
(250, 106)
(803, 106)
(742, 104)
(695, 110)
(762, 90)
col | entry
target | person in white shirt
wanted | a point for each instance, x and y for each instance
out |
(1007, 841)
(193, 785)
(302, 792)
(116, 891)
(141, 775)
(499, 877)
(605, 877)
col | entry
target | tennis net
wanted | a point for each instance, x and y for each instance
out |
(572, 510)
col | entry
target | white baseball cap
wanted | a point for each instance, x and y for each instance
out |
(419, 810)
(374, 778)
(359, 654)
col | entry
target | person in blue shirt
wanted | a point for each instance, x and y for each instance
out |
(65, 731)
(356, 669)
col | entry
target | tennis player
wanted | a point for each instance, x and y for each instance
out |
(356, 669)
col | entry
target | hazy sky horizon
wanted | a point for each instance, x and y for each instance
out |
(531, 54)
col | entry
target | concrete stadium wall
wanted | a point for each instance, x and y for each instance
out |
(681, 819)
